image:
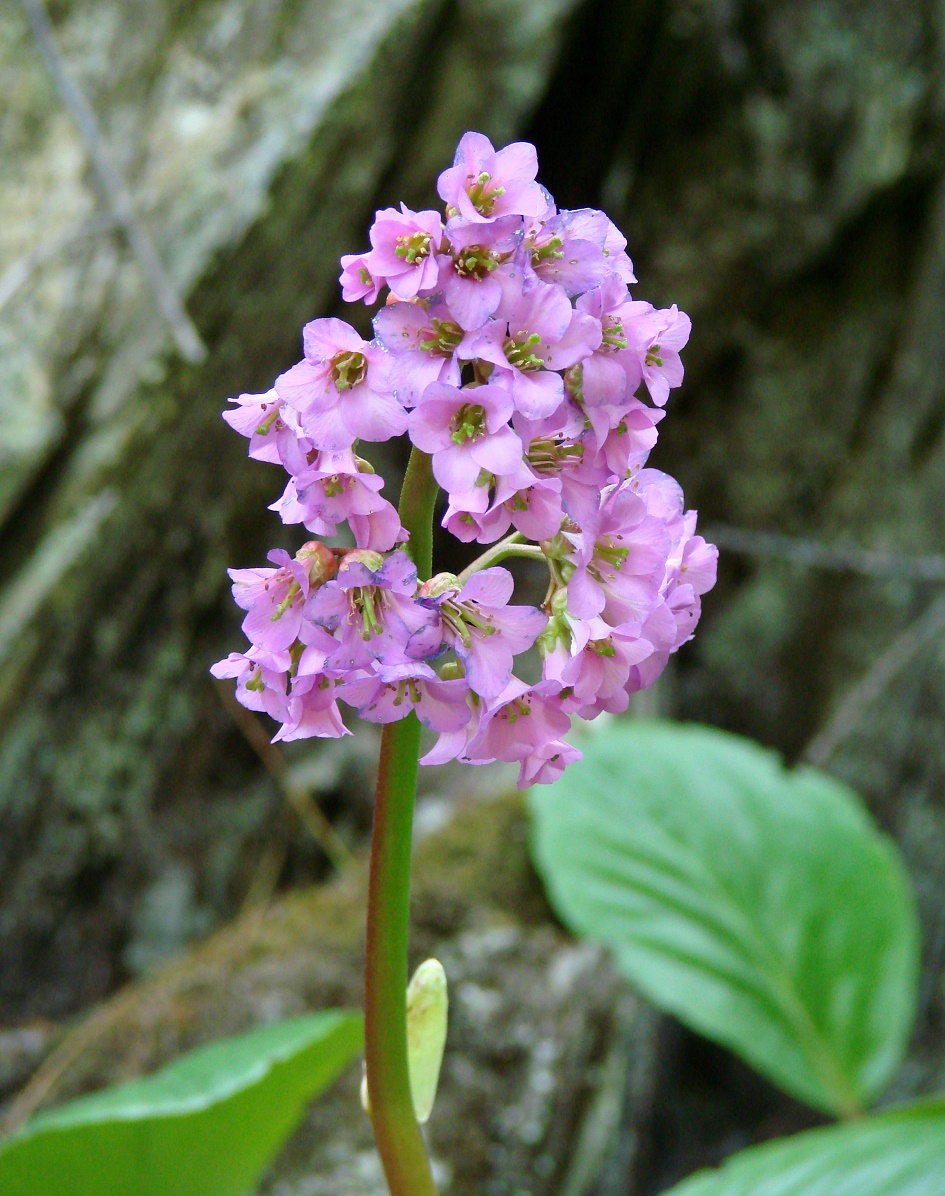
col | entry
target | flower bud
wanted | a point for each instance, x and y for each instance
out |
(362, 556)
(440, 584)
(319, 560)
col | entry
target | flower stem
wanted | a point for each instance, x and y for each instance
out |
(510, 546)
(399, 1142)
(417, 500)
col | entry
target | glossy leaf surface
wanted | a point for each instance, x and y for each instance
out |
(206, 1125)
(758, 905)
(897, 1154)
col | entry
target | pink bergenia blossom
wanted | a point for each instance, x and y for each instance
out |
(259, 686)
(274, 598)
(656, 336)
(480, 270)
(340, 390)
(523, 500)
(525, 726)
(258, 417)
(512, 354)
(423, 340)
(591, 225)
(567, 248)
(484, 184)
(534, 337)
(357, 281)
(614, 371)
(619, 559)
(312, 705)
(335, 490)
(466, 431)
(481, 628)
(404, 248)
(371, 608)
(582, 474)
(593, 663)
(393, 691)
(546, 763)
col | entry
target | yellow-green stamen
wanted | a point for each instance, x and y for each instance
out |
(348, 369)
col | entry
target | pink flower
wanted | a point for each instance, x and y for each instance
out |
(393, 691)
(275, 598)
(312, 706)
(525, 726)
(479, 269)
(466, 431)
(356, 279)
(656, 336)
(568, 249)
(581, 474)
(546, 763)
(340, 391)
(423, 343)
(258, 417)
(259, 686)
(615, 370)
(333, 491)
(596, 668)
(538, 334)
(619, 558)
(405, 245)
(482, 629)
(371, 609)
(483, 184)
(530, 504)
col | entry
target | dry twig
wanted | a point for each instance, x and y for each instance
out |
(300, 800)
(843, 558)
(857, 699)
(114, 190)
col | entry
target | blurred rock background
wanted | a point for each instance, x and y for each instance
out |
(778, 168)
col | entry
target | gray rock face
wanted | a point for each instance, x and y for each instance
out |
(548, 1056)
(778, 170)
(254, 139)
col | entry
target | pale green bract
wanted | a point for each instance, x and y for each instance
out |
(427, 1007)
(758, 905)
(206, 1125)
(426, 1034)
(896, 1154)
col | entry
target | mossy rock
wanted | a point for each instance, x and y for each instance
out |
(548, 1054)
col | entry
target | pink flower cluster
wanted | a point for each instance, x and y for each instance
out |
(510, 351)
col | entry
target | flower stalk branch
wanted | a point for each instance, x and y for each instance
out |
(510, 546)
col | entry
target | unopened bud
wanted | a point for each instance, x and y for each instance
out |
(362, 556)
(319, 561)
(441, 583)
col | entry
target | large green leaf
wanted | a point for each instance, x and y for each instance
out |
(897, 1154)
(758, 905)
(206, 1125)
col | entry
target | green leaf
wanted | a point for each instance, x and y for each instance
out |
(206, 1125)
(758, 905)
(897, 1154)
